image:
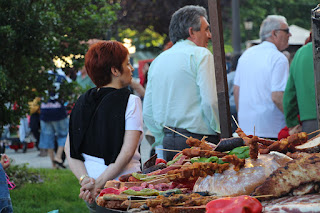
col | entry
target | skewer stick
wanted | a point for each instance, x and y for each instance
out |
(156, 179)
(235, 121)
(176, 165)
(169, 150)
(138, 201)
(314, 132)
(183, 134)
(262, 196)
(176, 132)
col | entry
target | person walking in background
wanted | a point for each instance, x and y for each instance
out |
(299, 96)
(54, 121)
(260, 81)
(181, 91)
(230, 80)
(24, 131)
(84, 80)
(34, 123)
(5, 200)
(106, 124)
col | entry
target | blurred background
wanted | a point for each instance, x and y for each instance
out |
(37, 36)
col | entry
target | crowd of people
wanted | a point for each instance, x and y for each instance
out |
(101, 137)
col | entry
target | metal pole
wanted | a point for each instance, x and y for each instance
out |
(236, 38)
(315, 19)
(220, 67)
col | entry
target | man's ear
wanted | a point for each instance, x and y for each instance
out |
(274, 33)
(191, 32)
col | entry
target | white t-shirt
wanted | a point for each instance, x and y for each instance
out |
(133, 121)
(261, 70)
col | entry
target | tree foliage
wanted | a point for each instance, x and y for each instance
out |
(32, 33)
(152, 15)
(140, 15)
(297, 12)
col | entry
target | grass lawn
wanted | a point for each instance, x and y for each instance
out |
(58, 191)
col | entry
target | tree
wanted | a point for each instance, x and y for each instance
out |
(297, 12)
(153, 15)
(144, 14)
(32, 33)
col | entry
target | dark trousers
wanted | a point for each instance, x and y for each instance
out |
(35, 127)
(310, 126)
(174, 141)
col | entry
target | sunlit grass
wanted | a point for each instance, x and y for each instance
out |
(59, 191)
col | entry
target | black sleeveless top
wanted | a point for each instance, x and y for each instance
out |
(97, 123)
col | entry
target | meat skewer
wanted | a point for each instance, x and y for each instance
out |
(314, 132)
(176, 132)
(197, 143)
(284, 145)
(201, 143)
(196, 170)
(198, 152)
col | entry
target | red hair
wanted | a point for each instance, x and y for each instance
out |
(101, 57)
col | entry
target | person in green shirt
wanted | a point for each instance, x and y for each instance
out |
(299, 96)
(84, 80)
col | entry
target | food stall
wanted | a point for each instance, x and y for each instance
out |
(245, 174)
(236, 171)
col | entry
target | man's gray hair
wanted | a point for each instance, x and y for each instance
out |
(272, 22)
(184, 18)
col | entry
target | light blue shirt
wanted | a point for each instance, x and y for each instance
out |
(181, 91)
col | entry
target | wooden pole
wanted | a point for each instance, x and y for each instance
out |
(220, 67)
(315, 19)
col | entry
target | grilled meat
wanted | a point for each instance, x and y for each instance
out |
(292, 175)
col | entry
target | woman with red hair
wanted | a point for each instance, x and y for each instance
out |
(106, 122)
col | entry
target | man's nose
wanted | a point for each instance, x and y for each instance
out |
(209, 35)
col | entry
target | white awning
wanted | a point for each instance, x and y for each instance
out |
(299, 36)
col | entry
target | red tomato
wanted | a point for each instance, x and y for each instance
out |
(240, 204)
(159, 160)
(109, 191)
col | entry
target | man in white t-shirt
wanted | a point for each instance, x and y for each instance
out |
(260, 81)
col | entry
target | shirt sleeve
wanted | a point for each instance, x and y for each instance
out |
(206, 81)
(236, 80)
(134, 114)
(148, 117)
(280, 74)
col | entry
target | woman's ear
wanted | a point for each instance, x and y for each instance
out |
(115, 71)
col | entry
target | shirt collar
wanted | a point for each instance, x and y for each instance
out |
(186, 41)
(269, 44)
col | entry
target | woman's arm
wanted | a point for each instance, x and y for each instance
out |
(236, 90)
(77, 166)
(130, 144)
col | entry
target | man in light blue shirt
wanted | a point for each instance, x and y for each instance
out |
(181, 91)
